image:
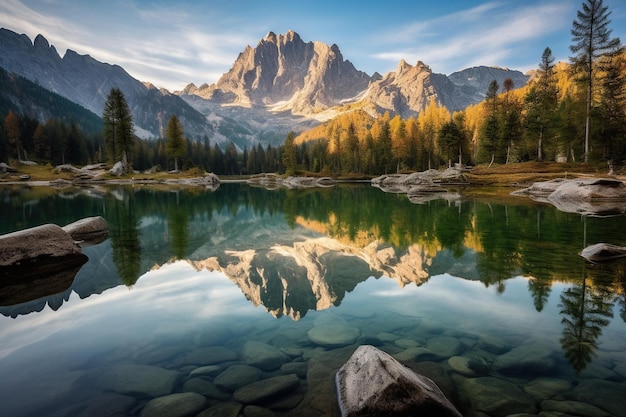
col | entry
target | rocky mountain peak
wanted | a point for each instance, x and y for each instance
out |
(285, 73)
(270, 37)
(41, 42)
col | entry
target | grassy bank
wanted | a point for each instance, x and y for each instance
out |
(510, 175)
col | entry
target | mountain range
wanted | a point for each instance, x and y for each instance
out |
(283, 84)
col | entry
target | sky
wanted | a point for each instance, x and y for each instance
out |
(174, 43)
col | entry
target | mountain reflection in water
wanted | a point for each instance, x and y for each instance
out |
(295, 251)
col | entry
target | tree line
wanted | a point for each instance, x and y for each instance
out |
(570, 112)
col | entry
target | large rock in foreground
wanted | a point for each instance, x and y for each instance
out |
(44, 260)
(372, 383)
(45, 241)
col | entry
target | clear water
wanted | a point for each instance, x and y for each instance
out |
(191, 279)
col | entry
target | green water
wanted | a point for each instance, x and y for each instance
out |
(487, 297)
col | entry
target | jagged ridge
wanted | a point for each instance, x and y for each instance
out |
(283, 84)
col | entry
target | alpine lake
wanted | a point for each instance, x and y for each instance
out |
(246, 301)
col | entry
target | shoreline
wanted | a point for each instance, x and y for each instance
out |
(516, 175)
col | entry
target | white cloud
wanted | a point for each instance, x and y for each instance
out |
(484, 35)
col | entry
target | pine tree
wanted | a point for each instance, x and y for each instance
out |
(176, 145)
(118, 128)
(492, 127)
(542, 101)
(591, 39)
(289, 154)
(13, 133)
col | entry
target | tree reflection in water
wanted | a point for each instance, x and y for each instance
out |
(586, 309)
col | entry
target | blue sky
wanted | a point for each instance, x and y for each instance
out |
(173, 43)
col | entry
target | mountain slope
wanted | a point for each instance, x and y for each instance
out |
(283, 84)
(283, 73)
(86, 81)
(25, 97)
(284, 76)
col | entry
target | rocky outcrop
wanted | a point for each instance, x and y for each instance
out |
(588, 196)
(210, 180)
(603, 253)
(409, 89)
(88, 231)
(5, 168)
(422, 186)
(40, 242)
(372, 383)
(285, 73)
(44, 260)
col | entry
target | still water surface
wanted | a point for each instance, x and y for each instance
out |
(207, 292)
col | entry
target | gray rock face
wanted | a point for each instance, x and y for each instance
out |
(138, 379)
(595, 196)
(283, 68)
(267, 389)
(118, 169)
(88, 231)
(47, 240)
(372, 383)
(263, 356)
(175, 405)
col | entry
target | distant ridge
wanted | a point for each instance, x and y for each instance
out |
(282, 84)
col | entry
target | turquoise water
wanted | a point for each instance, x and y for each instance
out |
(208, 292)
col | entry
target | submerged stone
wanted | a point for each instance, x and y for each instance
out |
(175, 405)
(606, 395)
(575, 408)
(210, 356)
(237, 376)
(445, 346)
(334, 335)
(528, 359)
(206, 388)
(229, 409)
(544, 387)
(467, 367)
(263, 356)
(138, 379)
(298, 368)
(372, 383)
(266, 389)
(497, 397)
